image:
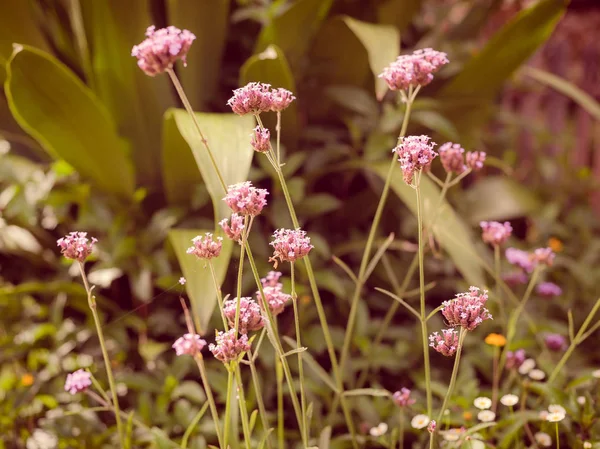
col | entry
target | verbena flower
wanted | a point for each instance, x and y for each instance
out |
(78, 381)
(205, 247)
(275, 298)
(281, 99)
(245, 199)
(555, 342)
(414, 70)
(255, 98)
(290, 245)
(509, 400)
(482, 403)
(189, 344)
(419, 421)
(261, 140)
(402, 398)
(234, 227)
(543, 439)
(162, 48)
(453, 160)
(486, 416)
(544, 256)
(229, 348)
(548, 289)
(431, 426)
(467, 310)
(515, 278)
(250, 318)
(76, 246)
(446, 344)
(515, 359)
(475, 160)
(495, 233)
(519, 258)
(414, 153)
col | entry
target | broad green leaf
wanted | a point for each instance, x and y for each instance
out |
(450, 231)
(53, 106)
(199, 283)
(397, 12)
(228, 137)
(135, 100)
(271, 66)
(208, 20)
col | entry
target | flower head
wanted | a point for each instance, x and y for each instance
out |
(482, 403)
(526, 366)
(402, 398)
(245, 199)
(555, 342)
(556, 408)
(378, 430)
(515, 278)
(495, 233)
(521, 259)
(431, 426)
(281, 99)
(509, 400)
(555, 417)
(544, 256)
(475, 160)
(451, 155)
(161, 48)
(76, 246)
(290, 245)
(250, 316)
(497, 340)
(228, 347)
(78, 381)
(543, 439)
(233, 227)
(446, 344)
(205, 247)
(452, 434)
(537, 374)
(548, 289)
(413, 70)
(515, 359)
(182, 280)
(253, 98)
(189, 344)
(467, 309)
(486, 416)
(275, 298)
(419, 421)
(414, 153)
(41, 439)
(261, 140)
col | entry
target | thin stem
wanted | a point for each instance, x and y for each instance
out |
(401, 444)
(495, 378)
(259, 399)
(227, 408)
(280, 414)
(243, 406)
(461, 340)
(497, 269)
(209, 396)
(239, 278)
(109, 373)
(557, 438)
(188, 107)
(278, 130)
(300, 363)
(219, 294)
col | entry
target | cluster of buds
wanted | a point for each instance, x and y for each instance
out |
(452, 157)
(234, 227)
(495, 233)
(261, 140)
(467, 310)
(255, 98)
(555, 342)
(76, 246)
(515, 359)
(274, 296)
(189, 344)
(205, 247)
(250, 318)
(446, 344)
(413, 70)
(415, 153)
(548, 289)
(475, 160)
(290, 245)
(245, 199)
(402, 398)
(78, 381)
(162, 48)
(228, 346)
(528, 261)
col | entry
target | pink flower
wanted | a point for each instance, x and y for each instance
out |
(281, 99)
(245, 199)
(431, 426)
(555, 342)
(548, 289)
(521, 259)
(544, 256)
(272, 279)
(275, 298)
(446, 344)
(475, 160)
(413, 70)
(250, 316)
(253, 98)
(189, 344)
(159, 51)
(515, 278)
(78, 381)
(414, 153)
(495, 233)
(76, 246)
(467, 309)
(206, 247)
(228, 347)
(234, 228)
(261, 140)
(290, 245)
(182, 280)
(451, 155)
(515, 359)
(402, 398)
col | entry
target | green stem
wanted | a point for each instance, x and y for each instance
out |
(401, 444)
(495, 378)
(278, 130)
(280, 411)
(227, 409)
(219, 295)
(239, 278)
(243, 407)
(461, 339)
(497, 269)
(300, 363)
(259, 399)
(109, 373)
(557, 438)
(209, 396)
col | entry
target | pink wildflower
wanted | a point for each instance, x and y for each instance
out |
(544, 256)
(446, 344)
(402, 398)
(245, 199)
(290, 245)
(413, 70)
(515, 359)
(414, 153)
(467, 309)
(515, 278)
(159, 51)
(281, 99)
(495, 233)
(182, 280)
(78, 381)
(228, 347)
(234, 228)
(272, 279)
(475, 160)
(548, 289)
(261, 140)
(431, 426)
(275, 298)
(250, 316)
(451, 155)
(206, 247)
(76, 246)
(253, 98)
(521, 259)
(189, 344)
(555, 342)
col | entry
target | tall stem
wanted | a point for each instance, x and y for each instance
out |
(259, 399)
(280, 411)
(495, 378)
(300, 363)
(239, 279)
(209, 396)
(219, 294)
(497, 269)
(461, 340)
(401, 444)
(242, 404)
(109, 373)
(227, 409)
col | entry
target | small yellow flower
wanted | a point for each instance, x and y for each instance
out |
(495, 340)
(555, 244)
(27, 380)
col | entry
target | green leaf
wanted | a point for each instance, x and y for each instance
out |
(208, 20)
(377, 392)
(228, 136)
(200, 286)
(450, 231)
(325, 438)
(53, 106)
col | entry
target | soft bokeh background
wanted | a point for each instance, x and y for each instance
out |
(88, 142)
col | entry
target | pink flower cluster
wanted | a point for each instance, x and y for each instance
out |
(467, 310)
(261, 140)
(413, 70)
(544, 256)
(275, 298)
(453, 160)
(414, 153)
(515, 278)
(555, 342)
(475, 160)
(402, 398)
(290, 245)
(76, 246)
(245, 199)
(205, 247)
(229, 348)
(78, 381)
(250, 316)
(446, 344)
(255, 98)
(515, 359)
(528, 261)
(189, 344)
(495, 233)
(162, 48)
(548, 289)
(233, 227)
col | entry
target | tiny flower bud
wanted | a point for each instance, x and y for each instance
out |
(261, 140)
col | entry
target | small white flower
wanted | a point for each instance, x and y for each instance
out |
(537, 374)
(526, 366)
(486, 416)
(555, 417)
(543, 439)
(543, 415)
(587, 445)
(40, 439)
(555, 408)
(379, 430)
(452, 434)
(182, 280)
(482, 403)
(596, 374)
(419, 421)
(509, 400)
(581, 400)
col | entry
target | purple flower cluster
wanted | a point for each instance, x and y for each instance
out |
(467, 310)
(402, 398)
(451, 155)
(446, 344)
(548, 289)
(245, 199)
(78, 381)
(205, 247)
(555, 342)
(275, 298)
(229, 348)
(290, 245)
(414, 153)
(261, 140)
(189, 344)
(544, 256)
(515, 359)
(255, 98)
(250, 316)
(519, 258)
(233, 227)
(162, 48)
(475, 160)
(515, 278)
(495, 233)
(413, 70)
(76, 246)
